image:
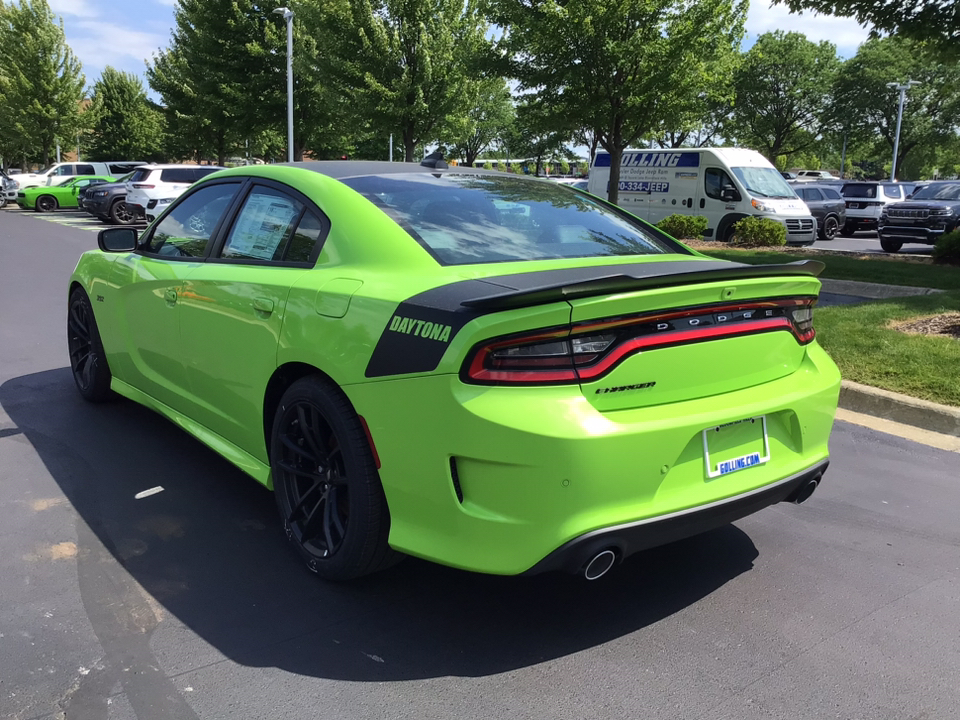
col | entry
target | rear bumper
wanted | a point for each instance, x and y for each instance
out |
(630, 538)
(503, 479)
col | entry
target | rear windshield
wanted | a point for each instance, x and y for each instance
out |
(946, 191)
(140, 175)
(863, 190)
(463, 219)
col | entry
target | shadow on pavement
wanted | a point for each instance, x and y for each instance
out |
(209, 550)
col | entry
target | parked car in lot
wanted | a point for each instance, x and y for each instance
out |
(932, 211)
(59, 173)
(486, 370)
(108, 202)
(865, 200)
(827, 206)
(158, 182)
(8, 189)
(815, 175)
(48, 199)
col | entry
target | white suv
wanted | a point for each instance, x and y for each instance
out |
(150, 184)
(59, 173)
(865, 201)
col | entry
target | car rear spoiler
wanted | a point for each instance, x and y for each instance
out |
(525, 289)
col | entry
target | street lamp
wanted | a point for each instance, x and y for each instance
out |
(902, 87)
(288, 17)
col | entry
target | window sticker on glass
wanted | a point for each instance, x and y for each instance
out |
(262, 226)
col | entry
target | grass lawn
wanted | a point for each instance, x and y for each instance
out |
(868, 351)
(915, 272)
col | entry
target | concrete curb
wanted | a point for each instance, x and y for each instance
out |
(900, 408)
(874, 291)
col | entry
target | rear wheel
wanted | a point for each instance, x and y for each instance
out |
(890, 246)
(88, 362)
(120, 214)
(326, 483)
(46, 203)
(829, 227)
(847, 230)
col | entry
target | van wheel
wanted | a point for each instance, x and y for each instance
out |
(890, 246)
(829, 228)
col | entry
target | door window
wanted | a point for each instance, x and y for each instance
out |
(64, 170)
(715, 180)
(188, 227)
(272, 226)
(85, 170)
(812, 194)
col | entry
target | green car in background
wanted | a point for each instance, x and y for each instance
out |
(485, 370)
(48, 199)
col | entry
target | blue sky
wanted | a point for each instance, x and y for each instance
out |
(125, 34)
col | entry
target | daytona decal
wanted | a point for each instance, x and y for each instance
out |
(433, 331)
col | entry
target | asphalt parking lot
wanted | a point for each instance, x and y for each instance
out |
(188, 603)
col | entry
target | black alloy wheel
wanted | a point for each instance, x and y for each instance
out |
(46, 203)
(87, 359)
(120, 214)
(326, 483)
(830, 228)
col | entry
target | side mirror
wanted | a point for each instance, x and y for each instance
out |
(729, 194)
(119, 239)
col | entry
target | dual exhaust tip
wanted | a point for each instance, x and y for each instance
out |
(603, 561)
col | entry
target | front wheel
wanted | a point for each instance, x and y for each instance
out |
(829, 228)
(890, 246)
(88, 362)
(326, 483)
(120, 214)
(46, 203)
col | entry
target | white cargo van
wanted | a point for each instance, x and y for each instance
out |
(722, 184)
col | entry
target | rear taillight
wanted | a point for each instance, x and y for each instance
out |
(587, 351)
(143, 186)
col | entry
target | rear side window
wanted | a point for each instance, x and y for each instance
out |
(892, 191)
(140, 175)
(85, 169)
(462, 219)
(812, 194)
(188, 227)
(830, 194)
(863, 190)
(177, 175)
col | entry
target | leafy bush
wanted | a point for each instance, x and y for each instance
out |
(759, 232)
(947, 249)
(684, 226)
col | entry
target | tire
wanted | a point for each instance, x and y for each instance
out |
(847, 230)
(890, 246)
(88, 362)
(46, 203)
(829, 227)
(119, 215)
(344, 535)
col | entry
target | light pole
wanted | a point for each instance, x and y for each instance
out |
(902, 87)
(288, 17)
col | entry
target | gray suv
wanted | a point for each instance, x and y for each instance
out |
(827, 206)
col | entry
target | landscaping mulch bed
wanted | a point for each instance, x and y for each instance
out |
(946, 325)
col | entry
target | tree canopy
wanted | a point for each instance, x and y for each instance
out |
(125, 125)
(41, 83)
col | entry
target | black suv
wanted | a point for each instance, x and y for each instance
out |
(931, 212)
(826, 205)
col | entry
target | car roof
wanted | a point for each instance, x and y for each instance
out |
(340, 169)
(175, 166)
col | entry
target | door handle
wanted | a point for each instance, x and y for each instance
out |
(264, 305)
(170, 296)
(702, 202)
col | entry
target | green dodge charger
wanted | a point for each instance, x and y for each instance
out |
(48, 199)
(492, 372)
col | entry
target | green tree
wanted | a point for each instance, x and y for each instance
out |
(783, 91)
(932, 23)
(617, 67)
(124, 123)
(868, 107)
(407, 64)
(41, 83)
(536, 136)
(490, 114)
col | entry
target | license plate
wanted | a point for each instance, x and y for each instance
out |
(855, 206)
(735, 446)
(905, 221)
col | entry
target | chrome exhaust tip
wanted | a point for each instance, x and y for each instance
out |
(599, 565)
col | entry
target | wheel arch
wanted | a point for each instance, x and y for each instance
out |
(726, 222)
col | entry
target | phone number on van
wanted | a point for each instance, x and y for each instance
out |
(644, 186)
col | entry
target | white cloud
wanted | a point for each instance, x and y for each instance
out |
(100, 43)
(846, 33)
(73, 8)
